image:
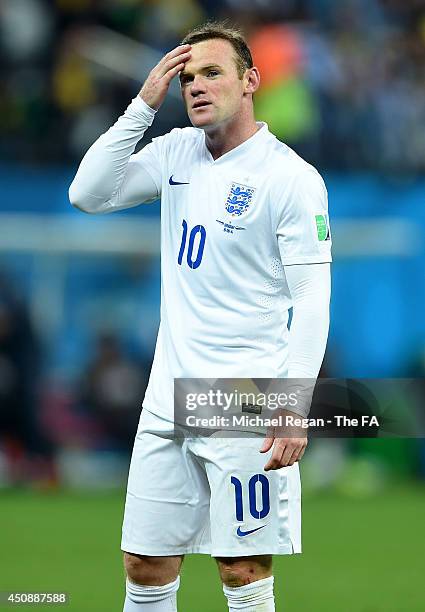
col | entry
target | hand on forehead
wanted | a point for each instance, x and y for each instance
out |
(213, 52)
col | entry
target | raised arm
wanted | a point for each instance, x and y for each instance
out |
(110, 177)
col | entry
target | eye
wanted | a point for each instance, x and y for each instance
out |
(185, 79)
(212, 73)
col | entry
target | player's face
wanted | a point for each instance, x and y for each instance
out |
(211, 87)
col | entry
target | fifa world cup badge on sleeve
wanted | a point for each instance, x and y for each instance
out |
(323, 230)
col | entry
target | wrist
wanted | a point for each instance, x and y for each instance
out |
(138, 110)
(146, 105)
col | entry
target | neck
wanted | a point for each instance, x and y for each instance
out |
(222, 138)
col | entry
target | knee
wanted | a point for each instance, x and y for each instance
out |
(238, 571)
(138, 568)
(151, 571)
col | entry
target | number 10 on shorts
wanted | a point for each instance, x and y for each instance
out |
(258, 482)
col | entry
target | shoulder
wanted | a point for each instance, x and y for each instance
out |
(183, 136)
(177, 144)
(290, 174)
(296, 187)
(291, 166)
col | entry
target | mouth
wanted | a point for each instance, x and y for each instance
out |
(200, 104)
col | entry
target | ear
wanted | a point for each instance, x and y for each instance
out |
(251, 80)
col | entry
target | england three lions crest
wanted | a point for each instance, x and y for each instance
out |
(239, 199)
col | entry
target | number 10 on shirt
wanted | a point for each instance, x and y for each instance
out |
(193, 259)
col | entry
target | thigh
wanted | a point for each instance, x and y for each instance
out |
(252, 512)
(167, 503)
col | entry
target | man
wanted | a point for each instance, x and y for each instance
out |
(243, 240)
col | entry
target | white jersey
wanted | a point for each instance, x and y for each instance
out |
(227, 226)
(232, 231)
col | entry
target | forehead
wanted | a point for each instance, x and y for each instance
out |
(213, 52)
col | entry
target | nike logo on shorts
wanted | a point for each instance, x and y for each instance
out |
(173, 182)
(241, 533)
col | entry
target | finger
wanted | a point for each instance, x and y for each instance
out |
(275, 460)
(301, 453)
(268, 441)
(169, 65)
(298, 452)
(286, 456)
(267, 444)
(295, 456)
(176, 51)
(171, 59)
(172, 73)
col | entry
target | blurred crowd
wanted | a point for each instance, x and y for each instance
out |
(42, 416)
(342, 82)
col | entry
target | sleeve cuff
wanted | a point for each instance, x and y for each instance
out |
(142, 110)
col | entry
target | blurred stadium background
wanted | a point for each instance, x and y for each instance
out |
(343, 84)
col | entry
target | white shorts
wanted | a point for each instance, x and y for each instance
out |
(207, 495)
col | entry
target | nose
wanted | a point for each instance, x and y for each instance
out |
(197, 86)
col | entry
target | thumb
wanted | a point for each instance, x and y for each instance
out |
(267, 444)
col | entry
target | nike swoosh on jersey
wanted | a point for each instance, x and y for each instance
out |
(172, 182)
(241, 533)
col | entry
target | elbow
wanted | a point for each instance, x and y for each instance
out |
(82, 201)
(76, 198)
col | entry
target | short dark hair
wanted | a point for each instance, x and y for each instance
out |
(221, 29)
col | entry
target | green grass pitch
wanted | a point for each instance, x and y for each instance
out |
(359, 555)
